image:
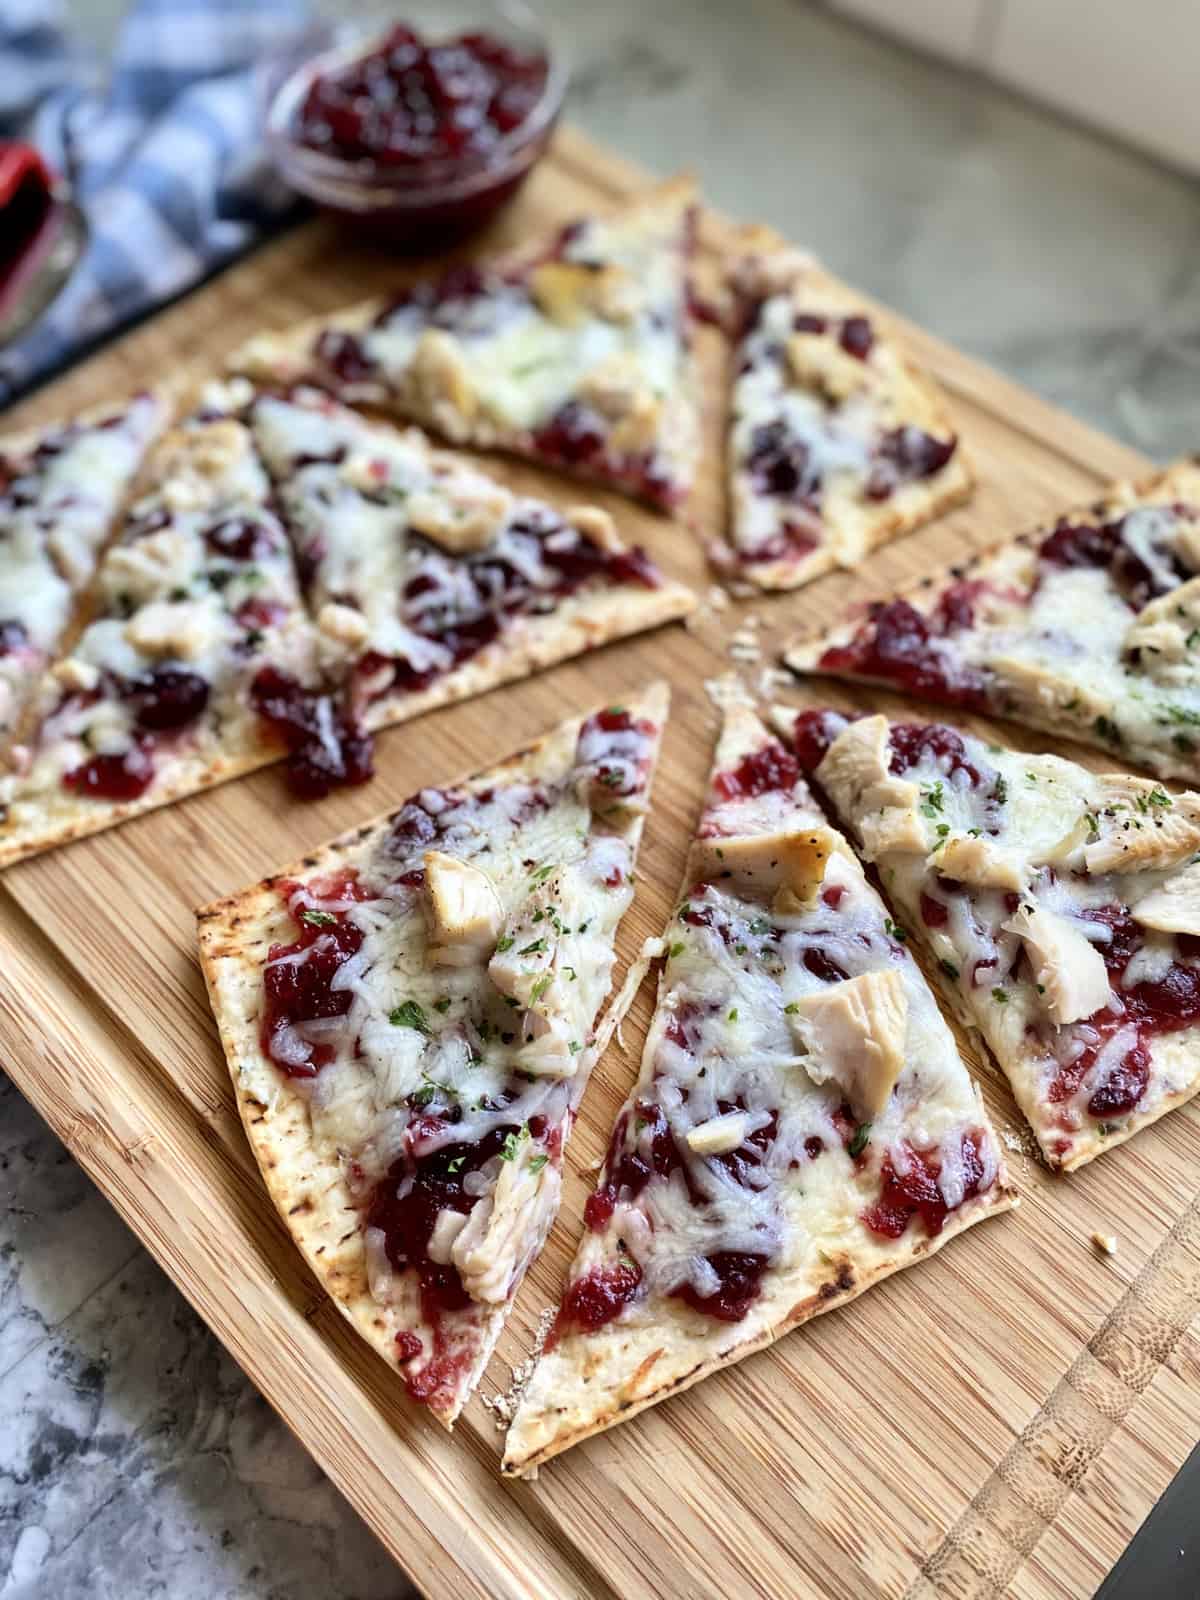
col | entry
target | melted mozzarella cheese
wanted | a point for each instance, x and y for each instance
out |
(759, 1163)
(1028, 967)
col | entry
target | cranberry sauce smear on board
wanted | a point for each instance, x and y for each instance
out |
(410, 101)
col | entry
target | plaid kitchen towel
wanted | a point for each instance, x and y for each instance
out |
(163, 150)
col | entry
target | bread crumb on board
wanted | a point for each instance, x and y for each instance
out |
(1104, 1244)
(503, 1406)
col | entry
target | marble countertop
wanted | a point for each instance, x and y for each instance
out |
(135, 1459)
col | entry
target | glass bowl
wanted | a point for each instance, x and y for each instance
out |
(418, 205)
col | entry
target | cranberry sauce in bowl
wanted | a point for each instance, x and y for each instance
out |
(420, 131)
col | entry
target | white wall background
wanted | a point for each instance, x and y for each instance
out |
(1130, 67)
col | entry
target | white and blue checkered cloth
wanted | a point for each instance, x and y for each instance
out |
(163, 150)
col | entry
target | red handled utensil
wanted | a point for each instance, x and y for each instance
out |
(42, 235)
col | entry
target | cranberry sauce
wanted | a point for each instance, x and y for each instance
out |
(915, 1191)
(595, 1299)
(410, 101)
(914, 742)
(1165, 1005)
(740, 1284)
(577, 437)
(406, 1206)
(167, 698)
(164, 701)
(298, 977)
(462, 605)
(761, 772)
(1137, 550)
(900, 645)
(812, 734)
(781, 464)
(326, 746)
(636, 1157)
(121, 776)
(855, 334)
(907, 455)
(615, 749)
(14, 637)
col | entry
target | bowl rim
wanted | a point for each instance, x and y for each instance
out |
(349, 43)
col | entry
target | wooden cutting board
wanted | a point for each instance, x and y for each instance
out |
(996, 1421)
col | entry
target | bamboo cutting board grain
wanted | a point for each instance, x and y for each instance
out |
(997, 1421)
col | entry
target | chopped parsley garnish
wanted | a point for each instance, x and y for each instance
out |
(513, 1141)
(791, 1008)
(456, 1165)
(677, 948)
(932, 800)
(539, 989)
(572, 975)
(540, 874)
(949, 969)
(733, 1015)
(534, 948)
(1000, 996)
(318, 919)
(537, 1163)
(859, 1142)
(574, 1047)
(1000, 788)
(443, 1004)
(760, 925)
(894, 930)
(506, 943)
(409, 1015)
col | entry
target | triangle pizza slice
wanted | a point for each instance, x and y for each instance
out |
(575, 353)
(410, 1016)
(1089, 628)
(802, 1125)
(428, 580)
(194, 614)
(61, 488)
(1060, 906)
(837, 441)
